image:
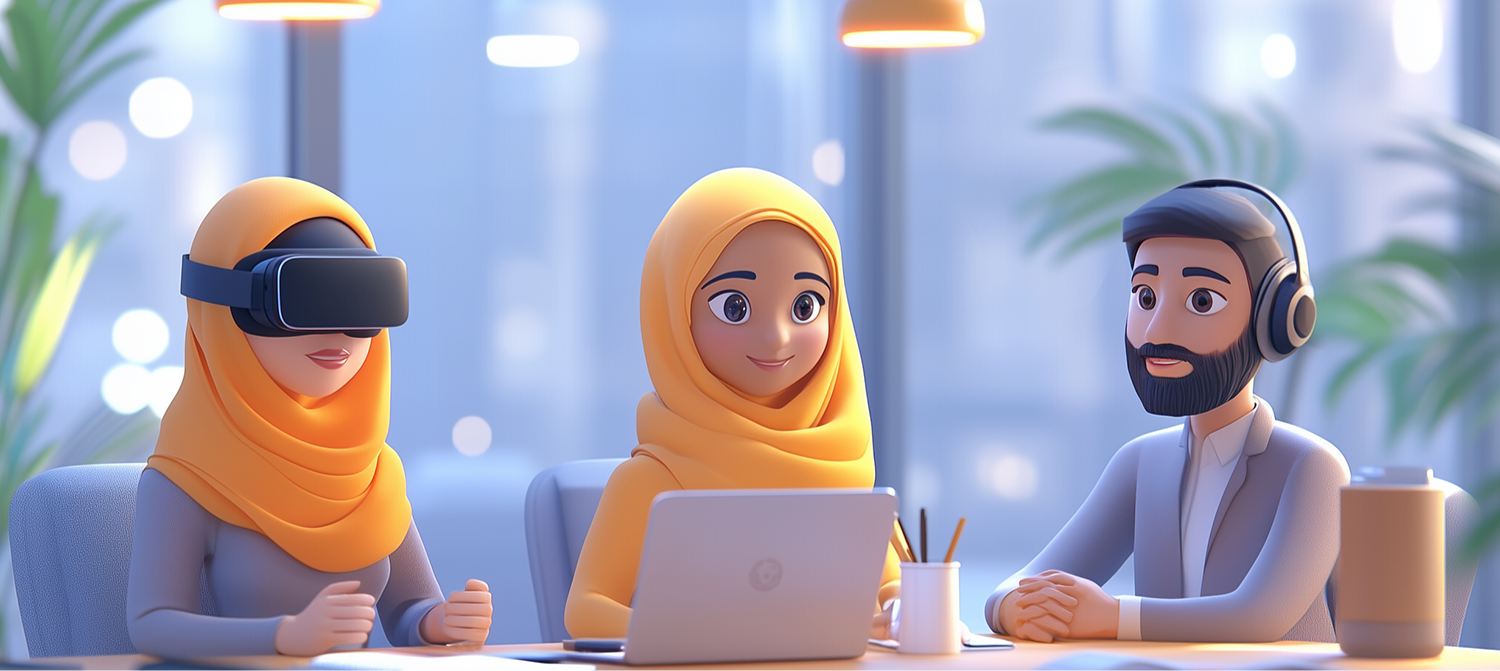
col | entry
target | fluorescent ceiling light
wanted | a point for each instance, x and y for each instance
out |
(532, 51)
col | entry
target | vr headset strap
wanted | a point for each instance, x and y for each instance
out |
(219, 286)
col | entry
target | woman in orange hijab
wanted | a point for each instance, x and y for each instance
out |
(272, 517)
(757, 374)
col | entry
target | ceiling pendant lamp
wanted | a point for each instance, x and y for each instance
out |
(909, 24)
(303, 10)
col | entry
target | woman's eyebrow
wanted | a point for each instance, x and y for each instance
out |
(812, 276)
(731, 275)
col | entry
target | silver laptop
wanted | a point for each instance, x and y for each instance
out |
(759, 575)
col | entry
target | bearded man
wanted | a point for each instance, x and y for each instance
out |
(1232, 516)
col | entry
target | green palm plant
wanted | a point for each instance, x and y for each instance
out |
(1404, 308)
(57, 53)
(1163, 148)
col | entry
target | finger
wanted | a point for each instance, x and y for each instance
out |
(1059, 577)
(341, 600)
(349, 638)
(1033, 632)
(471, 609)
(345, 587)
(476, 585)
(1029, 585)
(466, 622)
(1049, 593)
(352, 625)
(1051, 625)
(1047, 608)
(467, 634)
(352, 613)
(469, 597)
(1038, 612)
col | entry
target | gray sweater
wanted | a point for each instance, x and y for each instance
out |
(200, 587)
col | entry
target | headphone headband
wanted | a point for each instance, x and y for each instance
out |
(1299, 254)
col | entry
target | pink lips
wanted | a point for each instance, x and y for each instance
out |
(331, 359)
(769, 365)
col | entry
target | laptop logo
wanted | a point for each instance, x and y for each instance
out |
(765, 575)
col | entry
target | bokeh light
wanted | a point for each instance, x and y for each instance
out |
(126, 388)
(1278, 56)
(1010, 476)
(140, 336)
(472, 436)
(828, 163)
(531, 51)
(162, 388)
(1417, 29)
(161, 107)
(97, 150)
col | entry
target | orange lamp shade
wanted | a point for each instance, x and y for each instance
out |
(909, 24)
(299, 10)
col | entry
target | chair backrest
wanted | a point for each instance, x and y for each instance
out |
(560, 505)
(1460, 514)
(70, 536)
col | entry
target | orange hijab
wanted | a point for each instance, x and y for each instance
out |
(707, 434)
(313, 475)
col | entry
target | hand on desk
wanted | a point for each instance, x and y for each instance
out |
(337, 616)
(465, 616)
(1054, 604)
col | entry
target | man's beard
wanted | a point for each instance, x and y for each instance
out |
(1215, 379)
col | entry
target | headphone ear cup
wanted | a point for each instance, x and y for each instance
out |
(1267, 301)
(1295, 314)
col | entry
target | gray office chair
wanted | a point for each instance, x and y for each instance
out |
(1460, 514)
(70, 537)
(560, 505)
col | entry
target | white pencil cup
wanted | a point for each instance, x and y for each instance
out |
(929, 609)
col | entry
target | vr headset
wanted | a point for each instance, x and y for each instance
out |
(293, 291)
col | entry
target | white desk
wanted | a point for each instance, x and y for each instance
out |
(1026, 655)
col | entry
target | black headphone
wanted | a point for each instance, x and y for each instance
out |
(1284, 310)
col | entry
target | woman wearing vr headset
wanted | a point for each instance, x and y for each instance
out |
(272, 516)
(757, 374)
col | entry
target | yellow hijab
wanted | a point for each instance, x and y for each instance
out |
(313, 475)
(706, 433)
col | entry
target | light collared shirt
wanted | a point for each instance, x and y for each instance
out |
(1208, 470)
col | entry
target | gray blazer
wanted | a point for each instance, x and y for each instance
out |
(1274, 541)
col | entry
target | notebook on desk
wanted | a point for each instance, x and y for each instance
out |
(759, 575)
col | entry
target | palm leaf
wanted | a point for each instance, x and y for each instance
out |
(1165, 148)
(1148, 146)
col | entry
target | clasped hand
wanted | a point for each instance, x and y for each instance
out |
(1055, 604)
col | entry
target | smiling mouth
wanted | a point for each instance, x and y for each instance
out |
(330, 358)
(773, 364)
(1162, 362)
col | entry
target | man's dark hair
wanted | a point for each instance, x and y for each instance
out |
(1213, 214)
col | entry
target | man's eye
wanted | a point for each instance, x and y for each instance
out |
(806, 307)
(1145, 297)
(1206, 302)
(731, 307)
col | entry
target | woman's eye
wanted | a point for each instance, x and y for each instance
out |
(1145, 297)
(806, 307)
(1206, 302)
(731, 307)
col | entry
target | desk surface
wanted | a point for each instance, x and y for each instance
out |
(1026, 655)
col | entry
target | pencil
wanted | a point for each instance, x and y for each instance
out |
(901, 552)
(948, 559)
(924, 535)
(906, 540)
